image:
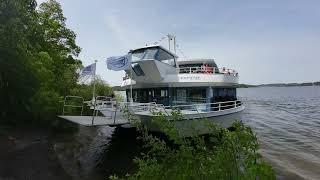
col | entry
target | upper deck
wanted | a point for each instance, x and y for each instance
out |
(157, 66)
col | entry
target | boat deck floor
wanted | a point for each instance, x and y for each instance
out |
(97, 121)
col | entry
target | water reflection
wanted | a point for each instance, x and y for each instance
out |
(97, 153)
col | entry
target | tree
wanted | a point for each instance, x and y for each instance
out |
(17, 81)
(59, 43)
(38, 60)
(55, 62)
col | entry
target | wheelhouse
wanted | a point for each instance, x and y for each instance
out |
(153, 53)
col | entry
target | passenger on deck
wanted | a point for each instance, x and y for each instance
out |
(207, 69)
(203, 68)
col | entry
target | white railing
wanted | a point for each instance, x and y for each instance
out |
(202, 69)
(72, 104)
(139, 107)
(207, 70)
(208, 107)
(199, 107)
(102, 102)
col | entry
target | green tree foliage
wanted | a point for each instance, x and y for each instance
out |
(18, 82)
(55, 62)
(38, 60)
(222, 154)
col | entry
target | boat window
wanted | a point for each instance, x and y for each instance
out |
(225, 94)
(138, 55)
(137, 69)
(165, 57)
(164, 93)
(151, 53)
(135, 95)
(181, 95)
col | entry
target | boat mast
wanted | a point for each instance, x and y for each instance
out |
(169, 40)
(174, 44)
(172, 38)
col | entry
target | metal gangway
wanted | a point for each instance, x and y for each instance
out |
(105, 111)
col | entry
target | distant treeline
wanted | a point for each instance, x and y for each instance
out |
(280, 85)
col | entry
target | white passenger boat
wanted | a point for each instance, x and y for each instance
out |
(159, 81)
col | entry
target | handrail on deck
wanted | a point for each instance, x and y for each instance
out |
(207, 70)
(71, 105)
(219, 105)
(102, 102)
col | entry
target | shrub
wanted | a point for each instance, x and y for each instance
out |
(222, 154)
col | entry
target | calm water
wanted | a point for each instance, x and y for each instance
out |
(286, 120)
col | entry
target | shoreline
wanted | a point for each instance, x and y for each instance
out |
(26, 153)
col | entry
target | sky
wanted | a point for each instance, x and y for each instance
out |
(272, 41)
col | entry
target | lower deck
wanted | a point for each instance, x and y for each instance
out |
(171, 96)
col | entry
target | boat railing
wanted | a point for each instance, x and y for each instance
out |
(207, 70)
(73, 102)
(139, 107)
(103, 102)
(187, 100)
(198, 107)
(208, 107)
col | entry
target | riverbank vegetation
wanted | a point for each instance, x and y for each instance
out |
(38, 62)
(222, 154)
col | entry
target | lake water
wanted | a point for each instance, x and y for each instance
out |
(286, 120)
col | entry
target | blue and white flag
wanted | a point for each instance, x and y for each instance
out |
(118, 63)
(89, 70)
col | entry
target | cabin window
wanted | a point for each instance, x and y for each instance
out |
(164, 93)
(137, 69)
(151, 53)
(135, 95)
(165, 57)
(154, 53)
(224, 94)
(137, 55)
(181, 95)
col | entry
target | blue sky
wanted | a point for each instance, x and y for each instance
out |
(265, 41)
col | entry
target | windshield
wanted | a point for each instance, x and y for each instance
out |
(153, 53)
(138, 54)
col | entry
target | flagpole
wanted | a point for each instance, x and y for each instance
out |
(94, 80)
(131, 99)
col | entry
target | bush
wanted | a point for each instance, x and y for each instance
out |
(223, 154)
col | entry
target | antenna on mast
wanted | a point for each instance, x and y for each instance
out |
(172, 38)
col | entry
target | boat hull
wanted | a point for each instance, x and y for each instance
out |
(198, 123)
